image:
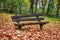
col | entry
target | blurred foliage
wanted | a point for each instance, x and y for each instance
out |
(22, 6)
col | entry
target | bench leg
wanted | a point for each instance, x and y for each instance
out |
(41, 26)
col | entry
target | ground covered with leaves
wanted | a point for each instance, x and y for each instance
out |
(30, 32)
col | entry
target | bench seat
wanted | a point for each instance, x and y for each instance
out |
(32, 23)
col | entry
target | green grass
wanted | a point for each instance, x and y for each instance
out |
(52, 19)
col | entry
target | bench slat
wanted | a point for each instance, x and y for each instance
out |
(29, 15)
(21, 24)
(27, 19)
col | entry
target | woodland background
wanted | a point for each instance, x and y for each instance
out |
(50, 10)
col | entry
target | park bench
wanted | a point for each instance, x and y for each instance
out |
(28, 17)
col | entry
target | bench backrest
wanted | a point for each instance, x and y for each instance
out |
(28, 17)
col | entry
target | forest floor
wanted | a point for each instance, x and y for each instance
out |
(51, 31)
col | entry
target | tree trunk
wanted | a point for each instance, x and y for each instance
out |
(36, 6)
(48, 8)
(57, 14)
(44, 4)
(58, 8)
(20, 10)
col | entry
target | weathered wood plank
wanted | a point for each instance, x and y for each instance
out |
(29, 15)
(21, 24)
(27, 19)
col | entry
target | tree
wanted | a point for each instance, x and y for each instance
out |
(43, 5)
(58, 6)
(50, 6)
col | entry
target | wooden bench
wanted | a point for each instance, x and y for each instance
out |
(29, 17)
